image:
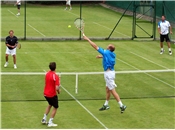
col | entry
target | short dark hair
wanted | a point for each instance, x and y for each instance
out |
(164, 15)
(111, 48)
(52, 66)
(11, 31)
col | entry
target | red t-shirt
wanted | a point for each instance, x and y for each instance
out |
(51, 81)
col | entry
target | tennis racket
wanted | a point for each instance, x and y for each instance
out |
(79, 23)
(19, 46)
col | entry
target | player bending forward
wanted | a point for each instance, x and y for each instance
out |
(108, 57)
(52, 85)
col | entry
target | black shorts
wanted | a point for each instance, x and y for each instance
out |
(18, 6)
(53, 101)
(162, 37)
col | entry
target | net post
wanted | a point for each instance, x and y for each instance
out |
(25, 20)
(76, 83)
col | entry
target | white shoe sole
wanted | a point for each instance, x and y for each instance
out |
(53, 125)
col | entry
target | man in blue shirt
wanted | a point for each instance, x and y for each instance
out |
(164, 28)
(108, 57)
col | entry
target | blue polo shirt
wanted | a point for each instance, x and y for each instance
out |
(108, 58)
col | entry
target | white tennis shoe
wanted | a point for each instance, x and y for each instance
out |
(52, 124)
(43, 121)
(15, 67)
(6, 64)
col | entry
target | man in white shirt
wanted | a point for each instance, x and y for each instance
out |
(18, 4)
(164, 28)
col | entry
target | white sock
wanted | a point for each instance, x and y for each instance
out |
(169, 49)
(120, 103)
(161, 49)
(106, 102)
(45, 116)
(50, 120)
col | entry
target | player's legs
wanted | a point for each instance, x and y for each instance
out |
(48, 109)
(6, 59)
(53, 113)
(54, 102)
(13, 53)
(7, 53)
(107, 94)
(109, 78)
(44, 120)
(168, 43)
(14, 59)
(68, 4)
(18, 7)
(161, 44)
(70, 7)
(116, 96)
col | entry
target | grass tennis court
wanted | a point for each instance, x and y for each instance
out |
(148, 96)
(145, 78)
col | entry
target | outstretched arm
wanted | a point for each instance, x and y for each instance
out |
(92, 43)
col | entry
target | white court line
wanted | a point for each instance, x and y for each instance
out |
(72, 13)
(110, 29)
(69, 11)
(12, 13)
(84, 107)
(149, 60)
(148, 74)
(88, 73)
(36, 30)
(59, 52)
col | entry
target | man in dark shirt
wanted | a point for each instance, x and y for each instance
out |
(11, 43)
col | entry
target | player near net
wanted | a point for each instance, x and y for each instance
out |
(52, 87)
(109, 58)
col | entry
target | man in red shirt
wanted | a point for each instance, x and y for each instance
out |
(52, 87)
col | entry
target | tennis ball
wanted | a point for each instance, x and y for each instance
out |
(69, 26)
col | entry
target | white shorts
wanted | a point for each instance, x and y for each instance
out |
(110, 79)
(10, 52)
(68, 2)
